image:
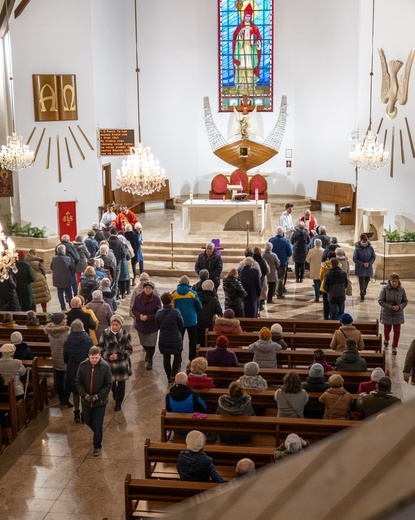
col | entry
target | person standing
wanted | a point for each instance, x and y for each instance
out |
(324, 269)
(313, 258)
(138, 230)
(24, 278)
(392, 300)
(124, 217)
(409, 366)
(83, 253)
(170, 324)
(116, 350)
(41, 293)
(364, 257)
(300, 240)
(310, 222)
(273, 263)
(286, 220)
(250, 280)
(73, 254)
(210, 308)
(335, 284)
(102, 311)
(107, 219)
(144, 311)
(93, 382)
(62, 268)
(211, 261)
(234, 293)
(132, 237)
(282, 248)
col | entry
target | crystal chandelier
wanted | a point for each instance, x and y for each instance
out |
(141, 173)
(370, 155)
(16, 155)
(8, 256)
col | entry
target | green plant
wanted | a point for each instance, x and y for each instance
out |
(26, 231)
(408, 236)
(392, 236)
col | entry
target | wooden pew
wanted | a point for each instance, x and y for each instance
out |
(275, 376)
(339, 194)
(28, 333)
(369, 327)
(302, 358)
(271, 430)
(20, 317)
(294, 340)
(146, 498)
(40, 349)
(37, 382)
(160, 458)
(15, 408)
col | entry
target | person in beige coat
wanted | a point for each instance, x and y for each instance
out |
(345, 331)
(41, 293)
(12, 369)
(313, 258)
(336, 399)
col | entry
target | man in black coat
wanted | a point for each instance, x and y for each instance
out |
(76, 313)
(63, 269)
(211, 261)
(335, 284)
(73, 254)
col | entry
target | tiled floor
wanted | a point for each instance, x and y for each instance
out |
(49, 472)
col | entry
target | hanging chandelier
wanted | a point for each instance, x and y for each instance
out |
(370, 155)
(8, 256)
(140, 173)
(15, 155)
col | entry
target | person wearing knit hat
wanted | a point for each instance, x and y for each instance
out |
(8, 318)
(116, 351)
(210, 309)
(345, 331)
(369, 386)
(193, 464)
(227, 324)
(344, 261)
(276, 335)
(221, 355)
(203, 275)
(292, 444)
(251, 380)
(12, 369)
(23, 352)
(315, 382)
(265, 350)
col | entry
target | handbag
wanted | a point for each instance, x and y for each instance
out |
(290, 405)
(349, 288)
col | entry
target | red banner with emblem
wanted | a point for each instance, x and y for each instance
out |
(67, 219)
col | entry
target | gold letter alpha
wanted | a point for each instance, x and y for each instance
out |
(43, 98)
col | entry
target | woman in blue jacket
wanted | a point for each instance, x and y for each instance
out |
(364, 257)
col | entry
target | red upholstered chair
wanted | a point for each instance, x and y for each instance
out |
(240, 177)
(219, 187)
(260, 183)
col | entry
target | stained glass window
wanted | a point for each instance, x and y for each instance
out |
(245, 53)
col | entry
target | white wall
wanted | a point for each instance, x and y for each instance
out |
(322, 59)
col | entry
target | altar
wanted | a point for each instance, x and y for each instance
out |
(223, 215)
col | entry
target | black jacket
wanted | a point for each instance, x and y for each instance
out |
(210, 306)
(117, 247)
(335, 283)
(170, 323)
(95, 380)
(213, 264)
(234, 293)
(85, 317)
(75, 351)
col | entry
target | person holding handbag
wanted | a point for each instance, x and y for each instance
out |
(291, 398)
(336, 399)
(116, 351)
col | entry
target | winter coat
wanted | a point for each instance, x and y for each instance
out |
(325, 240)
(94, 380)
(117, 247)
(149, 308)
(170, 323)
(297, 401)
(23, 352)
(139, 252)
(324, 269)
(328, 249)
(362, 255)
(234, 293)
(62, 269)
(237, 406)
(282, 248)
(277, 338)
(12, 369)
(210, 307)
(250, 280)
(265, 353)
(57, 335)
(87, 285)
(350, 361)
(108, 295)
(92, 245)
(24, 279)
(344, 263)
(224, 326)
(103, 312)
(335, 284)
(337, 402)
(263, 266)
(314, 259)
(119, 344)
(221, 357)
(388, 297)
(186, 300)
(133, 239)
(79, 314)
(273, 263)
(253, 382)
(182, 399)
(409, 365)
(344, 332)
(315, 384)
(324, 364)
(91, 332)
(300, 240)
(75, 350)
(41, 293)
(200, 381)
(71, 251)
(8, 295)
(84, 254)
(213, 264)
(124, 263)
(197, 467)
(375, 402)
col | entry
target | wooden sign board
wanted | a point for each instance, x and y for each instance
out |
(116, 141)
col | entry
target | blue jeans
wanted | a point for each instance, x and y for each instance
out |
(94, 419)
(63, 390)
(316, 284)
(336, 308)
(63, 293)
